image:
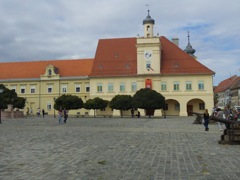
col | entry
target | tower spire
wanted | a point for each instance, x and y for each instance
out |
(148, 23)
(189, 50)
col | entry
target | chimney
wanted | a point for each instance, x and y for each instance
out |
(175, 41)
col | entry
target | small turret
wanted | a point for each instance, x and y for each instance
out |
(148, 23)
(189, 50)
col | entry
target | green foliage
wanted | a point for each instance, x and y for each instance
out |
(121, 102)
(148, 99)
(96, 103)
(10, 97)
(69, 102)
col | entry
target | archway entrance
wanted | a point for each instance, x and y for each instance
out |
(195, 105)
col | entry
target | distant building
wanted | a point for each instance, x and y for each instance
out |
(120, 66)
(228, 92)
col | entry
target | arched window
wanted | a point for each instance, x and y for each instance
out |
(49, 72)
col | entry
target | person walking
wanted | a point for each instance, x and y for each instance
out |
(43, 113)
(206, 119)
(65, 115)
(60, 116)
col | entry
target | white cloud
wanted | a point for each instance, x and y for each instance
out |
(59, 29)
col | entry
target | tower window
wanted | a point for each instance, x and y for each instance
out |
(148, 28)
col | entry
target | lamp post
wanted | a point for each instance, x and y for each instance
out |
(164, 112)
(1, 91)
(54, 115)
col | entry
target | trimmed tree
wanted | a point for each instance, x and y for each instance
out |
(69, 102)
(121, 102)
(10, 97)
(96, 103)
(148, 99)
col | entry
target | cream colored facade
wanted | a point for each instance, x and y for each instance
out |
(178, 101)
(40, 93)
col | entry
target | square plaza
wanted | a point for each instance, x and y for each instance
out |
(114, 148)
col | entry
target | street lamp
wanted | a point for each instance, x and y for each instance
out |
(54, 108)
(1, 91)
(164, 110)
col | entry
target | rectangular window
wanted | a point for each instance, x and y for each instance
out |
(77, 88)
(133, 86)
(177, 106)
(13, 88)
(99, 87)
(201, 106)
(22, 89)
(49, 89)
(64, 88)
(122, 87)
(200, 85)
(32, 89)
(49, 105)
(87, 87)
(110, 87)
(163, 86)
(176, 86)
(188, 85)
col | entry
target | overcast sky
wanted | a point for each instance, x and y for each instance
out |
(33, 30)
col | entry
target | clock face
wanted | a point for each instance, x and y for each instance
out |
(147, 54)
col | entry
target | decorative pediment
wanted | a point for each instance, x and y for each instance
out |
(51, 72)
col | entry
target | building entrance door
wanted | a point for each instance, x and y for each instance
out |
(189, 110)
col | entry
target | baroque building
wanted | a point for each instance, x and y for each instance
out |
(120, 66)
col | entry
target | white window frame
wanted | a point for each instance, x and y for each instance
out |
(87, 87)
(99, 87)
(64, 88)
(163, 86)
(134, 86)
(22, 89)
(13, 88)
(32, 89)
(200, 85)
(77, 86)
(110, 87)
(49, 105)
(188, 85)
(176, 86)
(122, 87)
(49, 89)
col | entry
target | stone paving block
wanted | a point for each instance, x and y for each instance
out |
(114, 148)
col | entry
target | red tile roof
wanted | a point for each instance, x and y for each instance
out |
(33, 69)
(118, 57)
(175, 61)
(115, 57)
(225, 84)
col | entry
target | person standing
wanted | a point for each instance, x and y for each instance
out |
(60, 116)
(206, 119)
(65, 115)
(43, 113)
(38, 112)
(220, 114)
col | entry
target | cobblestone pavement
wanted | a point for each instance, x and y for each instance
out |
(114, 148)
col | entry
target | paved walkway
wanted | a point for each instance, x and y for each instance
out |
(113, 149)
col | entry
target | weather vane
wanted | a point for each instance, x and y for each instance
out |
(148, 6)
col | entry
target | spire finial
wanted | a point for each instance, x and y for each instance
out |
(148, 8)
(188, 38)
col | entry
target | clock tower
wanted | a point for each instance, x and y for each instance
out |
(148, 49)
